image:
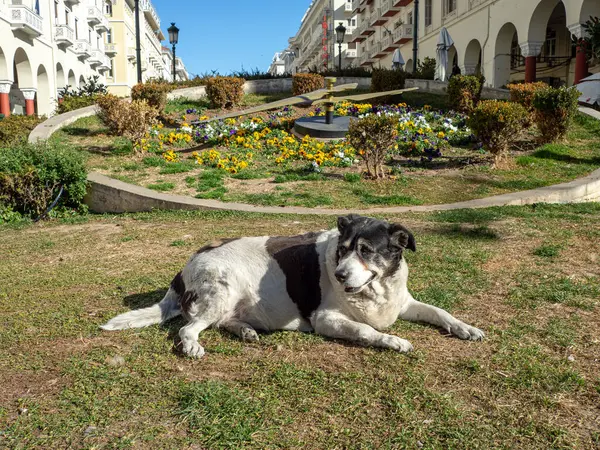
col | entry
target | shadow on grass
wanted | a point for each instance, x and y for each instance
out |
(481, 232)
(546, 153)
(80, 131)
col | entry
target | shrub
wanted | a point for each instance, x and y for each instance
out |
(425, 69)
(497, 124)
(225, 92)
(373, 137)
(15, 129)
(32, 175)
(73, 102)
(464, 92)
(387, 80)
(554, 111)
(523, 93)
(154, 93)
(129, 119)
(303, 83)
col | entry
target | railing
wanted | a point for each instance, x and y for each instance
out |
(403, 32)
(82, 48)
(147, 7)
(64, 34)
(387, 41)
(110, 48)
(349, 6)
(351, 53)
(131, 54)
(96, 57)
(24, 15)
(375, 50)
(376, 17)
(350, 29)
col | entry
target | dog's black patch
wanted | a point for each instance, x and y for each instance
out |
(215, 244)
(298, 259)
(178, 285)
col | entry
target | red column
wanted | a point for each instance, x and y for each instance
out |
(530, 69)
(29, 107)
(581, 63)
(4, 104)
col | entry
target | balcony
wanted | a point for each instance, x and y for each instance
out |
(150, 13)
(96, 57)
(96, 18)
(403, 33)
(131, 56)
(357, 7)
(179, 67)
(110, 49)
(388, 9)
(64, 35)
(377, 19)
(82, 49)
(388, 44)
(72, 2)
(376, 51)
(23, 16)
(350, 53)
(401, 3)
(348, 6)
(350, 30)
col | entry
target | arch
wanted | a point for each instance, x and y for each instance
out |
(22, 69)
(452, 60)
(61, 80)
(3, 66)
(81, 80)
(502, 54)
(72, 81)
(472, 61)
(43, 98)
(409, 66)
(539, 20)
(588, 8)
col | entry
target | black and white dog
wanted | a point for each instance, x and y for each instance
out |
(345, 283)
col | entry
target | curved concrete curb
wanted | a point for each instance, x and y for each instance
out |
(46, 129)
(107, 195)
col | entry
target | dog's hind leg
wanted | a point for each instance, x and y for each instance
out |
(241, 329)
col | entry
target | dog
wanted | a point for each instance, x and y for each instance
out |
(346, 283)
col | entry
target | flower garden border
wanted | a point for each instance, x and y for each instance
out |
(108, 195)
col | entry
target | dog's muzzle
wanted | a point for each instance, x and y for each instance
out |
(341, 276)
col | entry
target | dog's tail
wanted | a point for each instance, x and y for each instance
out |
(160, 312)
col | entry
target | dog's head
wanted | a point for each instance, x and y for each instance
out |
(369, 250)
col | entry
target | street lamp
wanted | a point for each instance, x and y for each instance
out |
(340, 32)
(173, 39)
(138, 49)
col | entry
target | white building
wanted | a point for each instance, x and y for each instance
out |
(181, 73)
(506, 40)
(314, 46)
(46, 45)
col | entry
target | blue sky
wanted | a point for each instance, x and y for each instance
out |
(225, 35)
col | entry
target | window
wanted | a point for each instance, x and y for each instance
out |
(409, 18)
(550, 46)
(67, 16)
(449, 6)
(76, 28)
(108, 8)
(111, 71)
(56, 11)
(516, 60)
(109, 36)
(90, 35)
(428, 7)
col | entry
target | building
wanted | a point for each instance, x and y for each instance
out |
(505, 40)
(181, 73)
(314, 46)
(46, 45)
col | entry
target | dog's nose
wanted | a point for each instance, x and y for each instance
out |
(341, 275)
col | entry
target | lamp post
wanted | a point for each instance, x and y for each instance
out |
(173, 39)
(138, 49)
(340, 32)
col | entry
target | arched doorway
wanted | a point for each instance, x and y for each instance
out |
(473, 58)
(44, 100)
(5, 84)
(72, 81)
(409, 66)
(507, 55)
(61, 80)
(452, 61)
(23, 83)
(81, 81)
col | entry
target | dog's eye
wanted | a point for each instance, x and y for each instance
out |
(365, 250)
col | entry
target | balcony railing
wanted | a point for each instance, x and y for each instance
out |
(399, 3)
(351, 53)
(150, 13)
(96, 18)
(96, 57)
(377, 19)
(350, 30)
(64, 35)
(82, 49)
(131, 54)
(375, 50)
(22, 15)
(403, 33)
(388, 9)
(348, 7)
(110, 49)
(387, 43)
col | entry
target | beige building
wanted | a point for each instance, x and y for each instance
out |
(46, 45)
(506, 40)
(181, 73)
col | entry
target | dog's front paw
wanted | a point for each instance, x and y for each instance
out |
(467, 332)
(192, 348)
(395, 343)
(249, 334)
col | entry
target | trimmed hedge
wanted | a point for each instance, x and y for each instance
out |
(73, 102)
(497, 124)
(387, 80)
(464, 92)
(523, 93)
(375, 136)
(154, 93)
(15, 129)
(303, 83)
(554, 110)
(225, 92)
(32, 175)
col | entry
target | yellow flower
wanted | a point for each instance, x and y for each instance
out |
(203, 118)
(441, 135)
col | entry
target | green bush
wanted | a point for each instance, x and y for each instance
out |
(554, 110)
(464, 92)
(303, 83)
(225, 92)
(71, 103)
(425, 69)
(387, 80)
(497, 125)
(154, 93)
(523, 93)
(32, 175)
(373, 137)
(15, 129)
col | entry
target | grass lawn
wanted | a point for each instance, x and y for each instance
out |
(528, 276)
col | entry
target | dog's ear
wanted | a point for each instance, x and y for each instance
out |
(344, 221)
(402, 237)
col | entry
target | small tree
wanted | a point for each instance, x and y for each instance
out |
(373, 137)
(554, 110)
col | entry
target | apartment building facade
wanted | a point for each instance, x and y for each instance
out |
(181, 73)
(47, 45)
(505, 40)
